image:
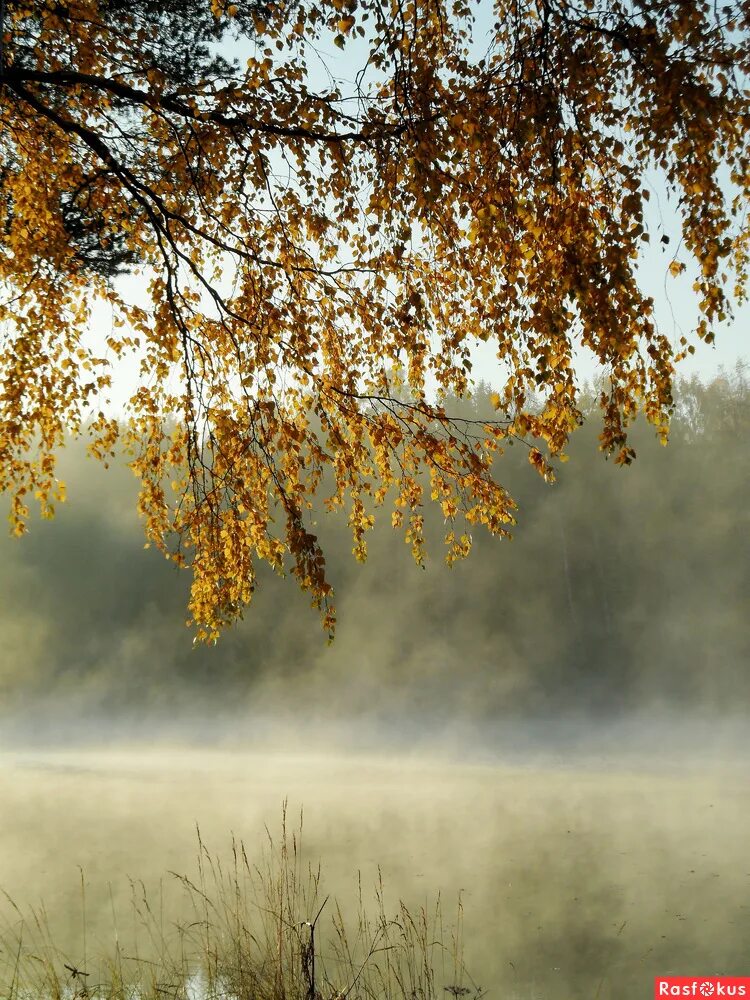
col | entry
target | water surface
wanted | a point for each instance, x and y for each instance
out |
(578, 878)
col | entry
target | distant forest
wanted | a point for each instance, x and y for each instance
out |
(622, 587)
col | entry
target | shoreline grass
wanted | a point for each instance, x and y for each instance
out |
(246, 930)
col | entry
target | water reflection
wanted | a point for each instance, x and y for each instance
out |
(576, 881)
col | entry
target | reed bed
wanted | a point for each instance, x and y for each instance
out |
(247, 930)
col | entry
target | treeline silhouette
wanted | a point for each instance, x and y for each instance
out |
(622, 588)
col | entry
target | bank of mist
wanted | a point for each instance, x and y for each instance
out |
(623, 592)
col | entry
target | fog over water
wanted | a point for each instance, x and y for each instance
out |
(573, 878)
(557, 728)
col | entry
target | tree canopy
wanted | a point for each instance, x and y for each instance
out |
(328, 205)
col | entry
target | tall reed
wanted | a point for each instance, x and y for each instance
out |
(247, 930)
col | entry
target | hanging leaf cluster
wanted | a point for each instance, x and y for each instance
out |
(304, 216)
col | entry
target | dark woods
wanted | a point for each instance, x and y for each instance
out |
(622, 588)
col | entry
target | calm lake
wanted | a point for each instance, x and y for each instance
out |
(579, 878)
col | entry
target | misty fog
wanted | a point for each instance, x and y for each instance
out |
(623, 590)
(556, 727)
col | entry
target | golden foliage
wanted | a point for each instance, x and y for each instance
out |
(318, 258)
